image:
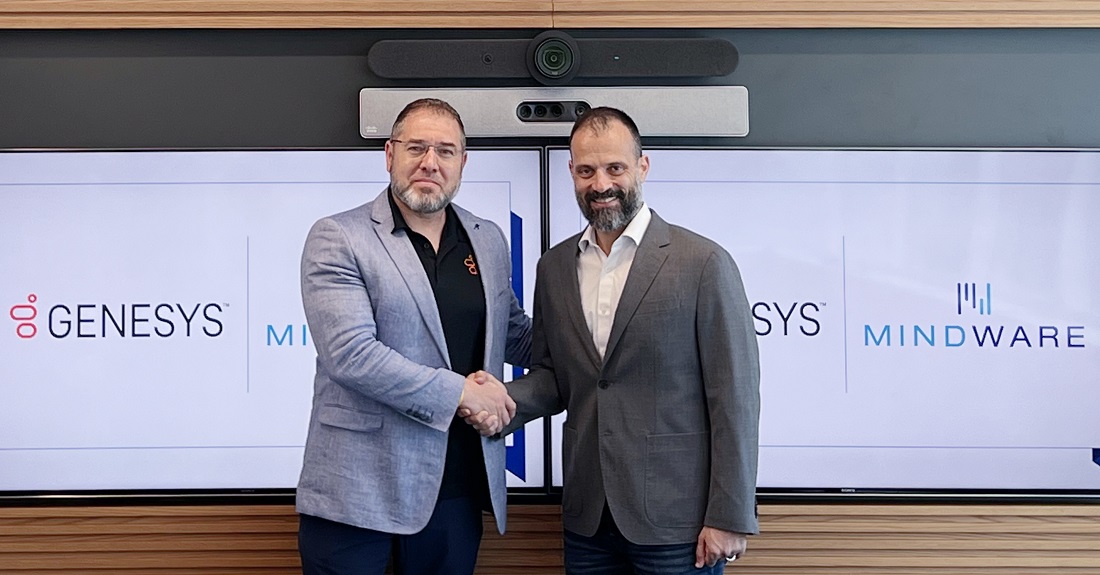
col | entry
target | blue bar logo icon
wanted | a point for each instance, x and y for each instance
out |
(968, 296)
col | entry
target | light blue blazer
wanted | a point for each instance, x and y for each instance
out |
(384, 395)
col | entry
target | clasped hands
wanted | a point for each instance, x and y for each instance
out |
(485, 403)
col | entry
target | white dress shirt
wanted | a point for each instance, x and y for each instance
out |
(602, 277)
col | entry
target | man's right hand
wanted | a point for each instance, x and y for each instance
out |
(486, 404)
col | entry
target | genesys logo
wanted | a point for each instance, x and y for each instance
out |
(974, 300)
(117, 320)
(796, 318)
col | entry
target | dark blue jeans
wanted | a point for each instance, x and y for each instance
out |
(609, 553)
(446, 546)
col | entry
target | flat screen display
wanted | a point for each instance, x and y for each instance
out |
(927, 320)
(154, 336)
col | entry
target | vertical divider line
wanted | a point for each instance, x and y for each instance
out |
(844, 311)
(247, 315)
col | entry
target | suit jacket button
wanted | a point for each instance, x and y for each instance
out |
(603, 384)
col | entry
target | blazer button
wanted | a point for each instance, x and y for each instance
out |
(603, 384)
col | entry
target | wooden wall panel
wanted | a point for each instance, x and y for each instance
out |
(797, 540)
(275, 14)
(163, 540)
(831, 14)
(548, 13)
(925, 539)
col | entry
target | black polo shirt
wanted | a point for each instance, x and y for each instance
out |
(460, 297)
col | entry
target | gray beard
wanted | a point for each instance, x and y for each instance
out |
(421, 203)
(611, 219)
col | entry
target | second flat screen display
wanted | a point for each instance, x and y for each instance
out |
(927, 319)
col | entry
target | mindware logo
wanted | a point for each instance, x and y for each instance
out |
(972, 299)
(120, 320)
(967, 293)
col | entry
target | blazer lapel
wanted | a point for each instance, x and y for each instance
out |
(486, 262)
(648, 260)
(410, 269)
(569, 289)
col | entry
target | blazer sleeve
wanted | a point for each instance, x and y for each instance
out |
(342, 322)
(517, 345)
(536, 394)
(731, 378)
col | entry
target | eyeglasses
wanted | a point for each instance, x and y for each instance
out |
(417, 149)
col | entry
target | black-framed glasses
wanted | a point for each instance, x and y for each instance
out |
(417, 149)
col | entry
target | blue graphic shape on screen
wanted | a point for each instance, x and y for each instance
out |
(515, 455)
(967, 293)
(1096, 455)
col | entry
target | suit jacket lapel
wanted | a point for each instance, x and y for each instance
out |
(570, 291)
(486, 260)
(648, 260)
(410, 269)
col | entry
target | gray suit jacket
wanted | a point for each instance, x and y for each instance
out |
(665, 428)
(384, 395)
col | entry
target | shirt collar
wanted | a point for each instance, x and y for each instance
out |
(635, 230)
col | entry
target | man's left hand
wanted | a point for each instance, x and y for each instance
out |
(717, 545)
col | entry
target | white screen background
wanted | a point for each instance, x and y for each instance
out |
(876, 238)
(94, 410)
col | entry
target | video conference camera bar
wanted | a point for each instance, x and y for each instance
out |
(552, 58)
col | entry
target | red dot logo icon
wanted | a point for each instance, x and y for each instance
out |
(25, 315)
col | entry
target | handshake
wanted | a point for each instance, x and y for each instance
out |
(485, 403)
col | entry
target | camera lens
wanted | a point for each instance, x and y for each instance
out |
(553, 58)
(555, 110)
(524, 111)
(540, 110)
(580, 110)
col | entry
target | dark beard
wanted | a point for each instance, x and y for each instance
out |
(611, 219)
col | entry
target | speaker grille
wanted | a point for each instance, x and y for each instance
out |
(656, 58)
(448, 59)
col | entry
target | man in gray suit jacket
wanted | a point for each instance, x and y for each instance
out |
(643, 332)
(407, 297)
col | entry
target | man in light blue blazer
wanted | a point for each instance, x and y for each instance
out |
(408, 297)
